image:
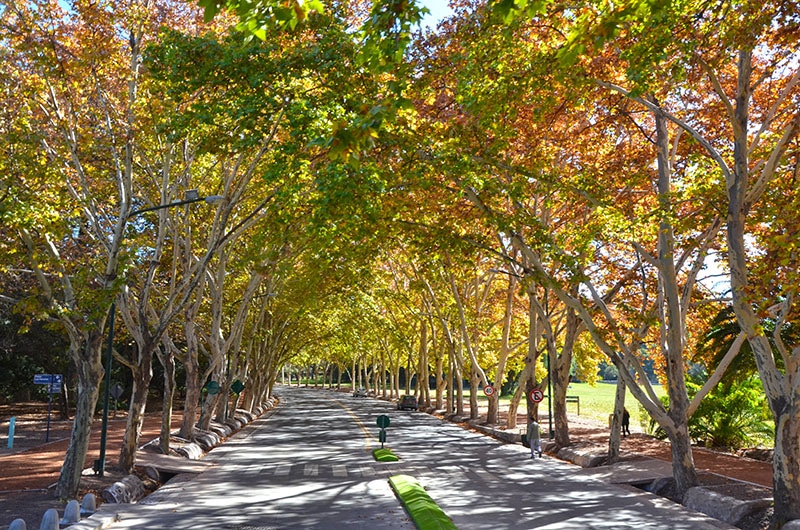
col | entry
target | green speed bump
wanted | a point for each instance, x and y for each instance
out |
(384, 455)
(425, 513)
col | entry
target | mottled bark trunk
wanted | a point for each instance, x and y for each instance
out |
(672, 319)
(194, 387)
(563, 365)
(783, 398)
(424, 374)
(474, 385)
(142, 375)
(616, 422)
(786, 465)
(90, 373)
(168, 362)
(459, 382)
(492, 409)
(451, 387)
(194, 393)
(513, 407)
(441, 383)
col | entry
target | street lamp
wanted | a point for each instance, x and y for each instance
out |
(190, 197)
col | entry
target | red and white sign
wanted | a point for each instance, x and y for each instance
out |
(536, 395)
(488, 390)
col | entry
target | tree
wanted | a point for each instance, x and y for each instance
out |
(72, 79)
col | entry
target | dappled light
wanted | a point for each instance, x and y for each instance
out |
(308, 466)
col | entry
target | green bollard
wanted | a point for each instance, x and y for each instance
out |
(11, 424)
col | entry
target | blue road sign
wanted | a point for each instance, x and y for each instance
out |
(47, 379)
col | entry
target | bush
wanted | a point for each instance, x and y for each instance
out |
(733, 416)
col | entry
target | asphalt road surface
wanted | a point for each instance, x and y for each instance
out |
(309, 465)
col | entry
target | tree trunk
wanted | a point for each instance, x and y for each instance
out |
(786, 466)
(194, 393)
(673, 324)
(459, 382)
(441, 382)
(560, 378)
(194, 386)
(513, 406)
(142, 374)
(616, 422)
(492, 411)
(451, 387)
(167, 359)
(474, 384)
(423, 383)
(90, 373)
(527, 380)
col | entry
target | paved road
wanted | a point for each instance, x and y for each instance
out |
(309, 466)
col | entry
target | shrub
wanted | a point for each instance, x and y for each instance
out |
(733, 416)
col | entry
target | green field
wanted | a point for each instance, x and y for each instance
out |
(597, 403)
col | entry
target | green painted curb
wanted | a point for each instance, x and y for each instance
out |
(425, 513)
(384, 455)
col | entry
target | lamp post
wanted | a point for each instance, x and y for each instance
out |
(190, 197)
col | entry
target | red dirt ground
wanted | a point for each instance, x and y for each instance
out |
(30, 469)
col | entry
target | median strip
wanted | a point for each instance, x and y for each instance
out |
(425, 513)
(384, 455)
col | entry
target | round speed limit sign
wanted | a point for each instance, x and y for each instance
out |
(488, 390)
(536, 395)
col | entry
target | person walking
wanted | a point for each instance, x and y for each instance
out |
(534, 438)
(626, 422)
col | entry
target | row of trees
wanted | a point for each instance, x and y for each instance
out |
(523, 190)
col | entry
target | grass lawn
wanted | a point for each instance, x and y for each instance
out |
(597, 403)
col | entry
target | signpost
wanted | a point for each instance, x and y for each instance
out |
(383, 423)
(210, 389)
(116, 393)
(236, 387)
(488, 390)
(53, 382)
(536, 395)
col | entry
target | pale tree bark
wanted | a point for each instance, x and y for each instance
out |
(191, 365)
(746, 181)
(559, 363)
(618, 353)
(673, 320)
(166, 356)
(527, 379)
(424, 400)
(616, 422)
(85, 351)
(783, 396)
(441, 383)
(492, 413)
(60, 111)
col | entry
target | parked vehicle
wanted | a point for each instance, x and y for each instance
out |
(360, 392)
(407, 403)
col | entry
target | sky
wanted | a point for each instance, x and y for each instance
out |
(439, 9)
